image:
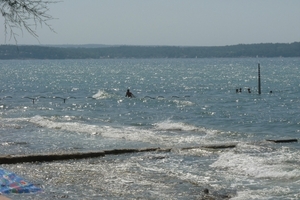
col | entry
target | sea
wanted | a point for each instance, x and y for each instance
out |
(59, 106)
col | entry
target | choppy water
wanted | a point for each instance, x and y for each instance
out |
(179, 103)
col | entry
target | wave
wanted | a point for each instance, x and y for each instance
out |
(162, 134)
(68, 126)
(168, 125)
(176, 126)
(278, 164)
(184, 103)
(272, 192)
(130, 133)
(101, 94)
(13, 143)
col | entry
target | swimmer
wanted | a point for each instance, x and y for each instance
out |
(129, 94)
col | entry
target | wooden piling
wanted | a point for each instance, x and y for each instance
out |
(259, 83)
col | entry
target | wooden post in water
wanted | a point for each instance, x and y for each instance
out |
(259, 86)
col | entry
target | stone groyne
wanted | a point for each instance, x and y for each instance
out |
(50, 157)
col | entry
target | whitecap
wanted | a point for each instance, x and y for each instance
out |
(176, 126)
(260, 165)
(101, 95)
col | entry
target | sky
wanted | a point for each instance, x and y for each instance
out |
(167, 22)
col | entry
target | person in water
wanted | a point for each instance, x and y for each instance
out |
(129, 94)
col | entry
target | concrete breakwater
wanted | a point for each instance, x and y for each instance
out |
(49, 157)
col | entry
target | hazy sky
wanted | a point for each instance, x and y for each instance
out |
(169, 22)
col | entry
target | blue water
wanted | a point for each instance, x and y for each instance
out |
(80, 105)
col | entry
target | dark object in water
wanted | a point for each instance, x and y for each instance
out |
(283, 141)
(213, 146)
(129, 94)
(13, 159)
(206, 191)
(149, 97)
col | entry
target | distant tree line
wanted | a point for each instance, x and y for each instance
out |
(112, 52)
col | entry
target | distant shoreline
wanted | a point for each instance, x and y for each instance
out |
(114, 52)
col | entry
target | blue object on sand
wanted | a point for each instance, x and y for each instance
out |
(11, 183)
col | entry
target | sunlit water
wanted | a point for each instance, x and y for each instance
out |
(80, 106)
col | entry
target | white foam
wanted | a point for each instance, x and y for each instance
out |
(161, 134)
(183, 103)
(101, 95)
(176, 126)
(68, 126)
(259, 165)
(168, 125)
(153, 136)
(128, 133)
(11, 122)
(266, 193)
